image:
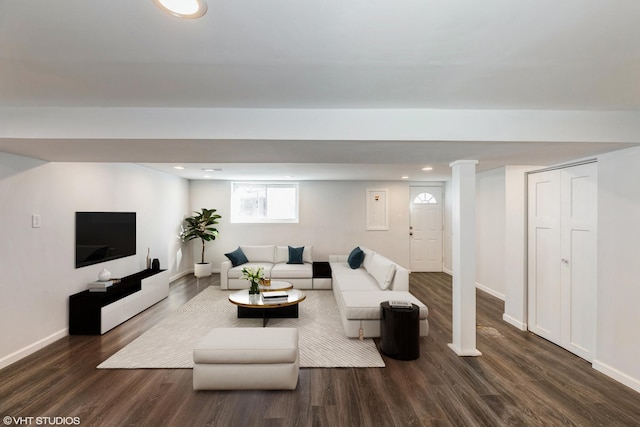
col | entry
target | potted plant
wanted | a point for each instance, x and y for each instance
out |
(200, 226)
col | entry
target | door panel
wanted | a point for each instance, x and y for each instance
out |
(579, 252)
(544, 253)
(426, 229)
(562, 257)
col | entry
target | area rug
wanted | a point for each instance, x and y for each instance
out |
(170, 343)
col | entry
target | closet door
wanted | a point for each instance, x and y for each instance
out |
(579, 259)
(562, 257)
(544, 291)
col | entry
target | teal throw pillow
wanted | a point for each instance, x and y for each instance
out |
(237, 257)
(355, 258)
(295, 255)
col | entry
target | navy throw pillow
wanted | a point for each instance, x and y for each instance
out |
(295, 255)
(355, 258)
(237, 257)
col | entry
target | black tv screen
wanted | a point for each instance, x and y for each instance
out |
(103, 236)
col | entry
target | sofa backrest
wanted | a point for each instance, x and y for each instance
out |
(259, 253)
(388, 274)
(282, 254)
(273, 254)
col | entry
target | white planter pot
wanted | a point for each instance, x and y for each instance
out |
(202, 270)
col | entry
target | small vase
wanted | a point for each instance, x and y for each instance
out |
(104, 275)
(254, 289)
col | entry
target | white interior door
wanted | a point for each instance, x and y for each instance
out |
(426, 229)
(562, 257)
(544, 292)
(579, 258)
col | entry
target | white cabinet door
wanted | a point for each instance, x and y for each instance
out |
(562, 257)
(155, 288)
(426, 229)
(111, 316)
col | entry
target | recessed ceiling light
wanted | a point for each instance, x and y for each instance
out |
(427, 168)
(212, 170)
(179, 167)
(183, 8)
(404, 177)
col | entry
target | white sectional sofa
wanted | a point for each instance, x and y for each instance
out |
(274, 259)
(360, 291)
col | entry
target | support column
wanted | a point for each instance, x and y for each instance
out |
(464, 258)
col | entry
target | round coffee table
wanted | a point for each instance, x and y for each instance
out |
(254, 306)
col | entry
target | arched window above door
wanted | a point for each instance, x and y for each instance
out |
(424, 198)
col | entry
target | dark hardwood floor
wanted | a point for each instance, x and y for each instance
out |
(520, 379)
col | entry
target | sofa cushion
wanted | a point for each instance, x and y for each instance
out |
(248, 346)
(237, 257)
(355, 258)
(291, 271)
(259, 253)
(295, 255)
(368, 256)
(382, 269)
(346, 279)
(236, 272)
(366, 305)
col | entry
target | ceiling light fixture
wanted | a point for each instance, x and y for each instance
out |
(179, 167)
(404, 177)
(212, 169)
(427, 168)
(183, 8)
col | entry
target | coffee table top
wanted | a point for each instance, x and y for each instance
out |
(276, 285)
(243, 299)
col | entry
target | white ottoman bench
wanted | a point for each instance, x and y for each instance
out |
(247, 359)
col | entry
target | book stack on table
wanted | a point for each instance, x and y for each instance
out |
(275, 297)
(100, 285)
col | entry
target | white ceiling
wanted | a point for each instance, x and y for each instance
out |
(322, 54)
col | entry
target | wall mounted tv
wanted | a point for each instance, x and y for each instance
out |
(103, 236)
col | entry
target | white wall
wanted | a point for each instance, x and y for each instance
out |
(37, 265)
(618, 314)
(515, 260)
(490, 231)
(332, 220)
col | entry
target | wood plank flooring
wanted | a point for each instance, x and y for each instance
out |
(520, 379)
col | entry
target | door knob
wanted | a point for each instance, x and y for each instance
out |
(565, 261)
(411, 234)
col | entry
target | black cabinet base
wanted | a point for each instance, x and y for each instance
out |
(286, 312)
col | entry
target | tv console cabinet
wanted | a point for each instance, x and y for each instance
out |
(94, 313)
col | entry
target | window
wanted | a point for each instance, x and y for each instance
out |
(424, 198)
(264, 202)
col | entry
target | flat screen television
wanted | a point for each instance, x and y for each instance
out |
(103, 236)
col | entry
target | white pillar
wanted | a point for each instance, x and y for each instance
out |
(464, 257)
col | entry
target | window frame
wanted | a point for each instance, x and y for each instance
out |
(235, 217)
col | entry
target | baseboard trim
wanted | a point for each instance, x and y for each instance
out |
(180, 275)
(514, 322)
(32, 348)
(617, 375)
(490, 291)
(449, 272)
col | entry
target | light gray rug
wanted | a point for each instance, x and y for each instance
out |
(170, 343)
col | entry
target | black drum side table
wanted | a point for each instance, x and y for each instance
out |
(400, 331)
